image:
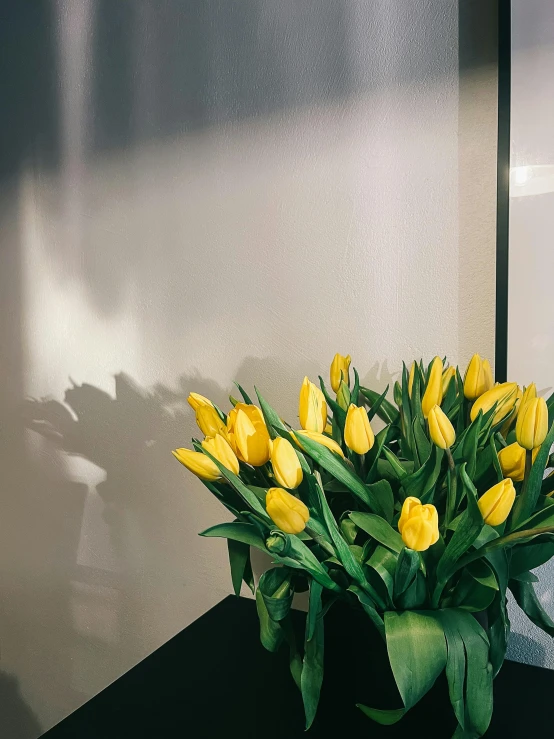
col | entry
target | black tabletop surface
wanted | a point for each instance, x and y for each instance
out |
(215, 679)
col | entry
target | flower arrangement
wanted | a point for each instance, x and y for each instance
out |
(424, 524)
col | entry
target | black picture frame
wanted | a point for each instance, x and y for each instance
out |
(503, 189)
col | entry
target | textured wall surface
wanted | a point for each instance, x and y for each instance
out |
(193, 193)
(531, 306)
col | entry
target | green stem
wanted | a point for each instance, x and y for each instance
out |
(451, 491)
(522, 497)
(321, 541)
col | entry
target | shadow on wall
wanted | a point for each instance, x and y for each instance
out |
(17, 721)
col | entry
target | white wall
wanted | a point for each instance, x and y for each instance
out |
(236, 192)
(531, 299)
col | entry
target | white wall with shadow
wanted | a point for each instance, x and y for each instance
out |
(217, 191)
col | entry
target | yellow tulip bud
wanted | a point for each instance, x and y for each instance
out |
(312, 408)
(508, 423)
(418, 524)
(433, 391)
(512, 461)
(495, 505)
(195, 400)
(530, 393)
(320, 438)
(209, 421)
(441, 430)
(339, 371)
(447, 375)
(286, 465)
(219, 447)
(358, 434)
(478, 377)
(248, 435)
(286, 511)
(504, 395)
(532, 423)
(197, 463)
(411, 378)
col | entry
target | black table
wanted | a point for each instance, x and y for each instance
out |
(214, 679)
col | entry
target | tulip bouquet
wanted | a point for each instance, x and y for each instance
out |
(424, 524)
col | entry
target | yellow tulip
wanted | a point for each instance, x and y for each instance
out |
(286, 466)
(512, 461)
(495, 505)
(195, 400)
(411, 378)
(487, 369)
(532, 423)
(358, 434)
(339, 370)
(530, 393)
(198, 463)
(418, 524)
(504, 395)
(478, 378)
(441, 430)
(447, 375)
(433, 391)
(219, 447)
(312, 408)
(286, 511)
(328, 429)
(209, 421)
(320, 438)
(248, 434)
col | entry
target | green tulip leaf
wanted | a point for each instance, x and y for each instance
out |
(369, 607)
(243, 490)
(276, 590)
(239, 559)
(422, 443)
(372, 457)
(302, 558)
(379, 530)
(526, 502)
(421, 484)
(374, 408)
(355, 394)
(383, 561)
(397, 467)
(271, 634)
(385, 718)
(406, 570)
(312, 669)
(468, 529)
(497, 612)
(468, 671)
(344, 553)
(386, 410)
(544, 517)
(417, 652)
(415, 595)
(277, 428)
(246, 533)
(244, 394)
(533, 554)
(227, 497)
(527, 600)
(327, 459)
